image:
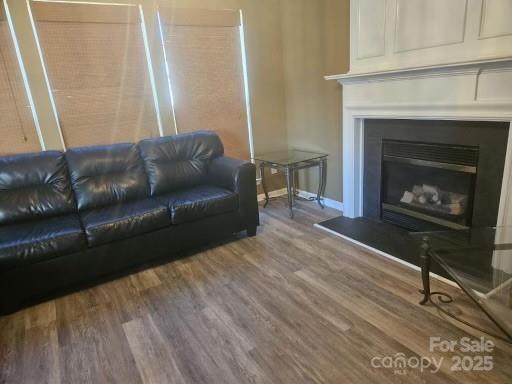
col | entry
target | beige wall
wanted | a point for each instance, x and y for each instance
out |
(290, 45)
(315, 43)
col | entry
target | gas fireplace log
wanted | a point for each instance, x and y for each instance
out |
(433, 198)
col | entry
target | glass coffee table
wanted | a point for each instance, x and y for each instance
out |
(479, 260)
(290, 162)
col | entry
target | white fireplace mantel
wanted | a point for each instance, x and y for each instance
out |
(478, 90)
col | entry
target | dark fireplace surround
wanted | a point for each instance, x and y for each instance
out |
(429, 175)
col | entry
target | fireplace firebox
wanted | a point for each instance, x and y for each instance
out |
(428, 186)
(425, 175)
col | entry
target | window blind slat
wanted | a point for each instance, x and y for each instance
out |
(206, 70)
(200, 17)
(98, 73)
(17, 128)
(85, 13)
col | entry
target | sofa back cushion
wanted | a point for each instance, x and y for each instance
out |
(33, 186)
(106, 175)
(181, 161)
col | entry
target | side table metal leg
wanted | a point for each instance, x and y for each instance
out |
(322, 174)
(425, 270)
(264, 184)
(290, 181)
(295, 178)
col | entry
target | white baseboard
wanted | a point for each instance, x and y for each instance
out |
(276, 193)
(387, 255)
(306, 195)
(334, 204)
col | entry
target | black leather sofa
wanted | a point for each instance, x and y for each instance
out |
(70, 219)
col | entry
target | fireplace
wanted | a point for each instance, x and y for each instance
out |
(466, 104)
(428, 186)
(425, 175)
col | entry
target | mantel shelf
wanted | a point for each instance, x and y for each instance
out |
(428, 71)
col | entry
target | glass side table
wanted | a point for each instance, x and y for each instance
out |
(290, 162)
(479, 260)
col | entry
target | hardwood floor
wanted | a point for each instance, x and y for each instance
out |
(292, 305)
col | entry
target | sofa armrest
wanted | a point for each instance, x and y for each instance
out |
(238, 176)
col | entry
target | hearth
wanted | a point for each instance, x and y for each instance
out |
(428, 186)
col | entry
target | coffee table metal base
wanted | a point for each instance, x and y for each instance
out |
(444, 298)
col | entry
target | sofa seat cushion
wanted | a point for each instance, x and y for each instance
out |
(107, 224)
(202, 201)
(39, 240)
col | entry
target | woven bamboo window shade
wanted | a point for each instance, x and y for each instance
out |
(98, 72)
(204, 56)
(17, 128)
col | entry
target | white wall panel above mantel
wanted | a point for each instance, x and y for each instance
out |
(415, 29)
(371, 41)
(399, 34)
(496, 20)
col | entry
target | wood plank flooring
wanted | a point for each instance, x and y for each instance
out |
(292, 305)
